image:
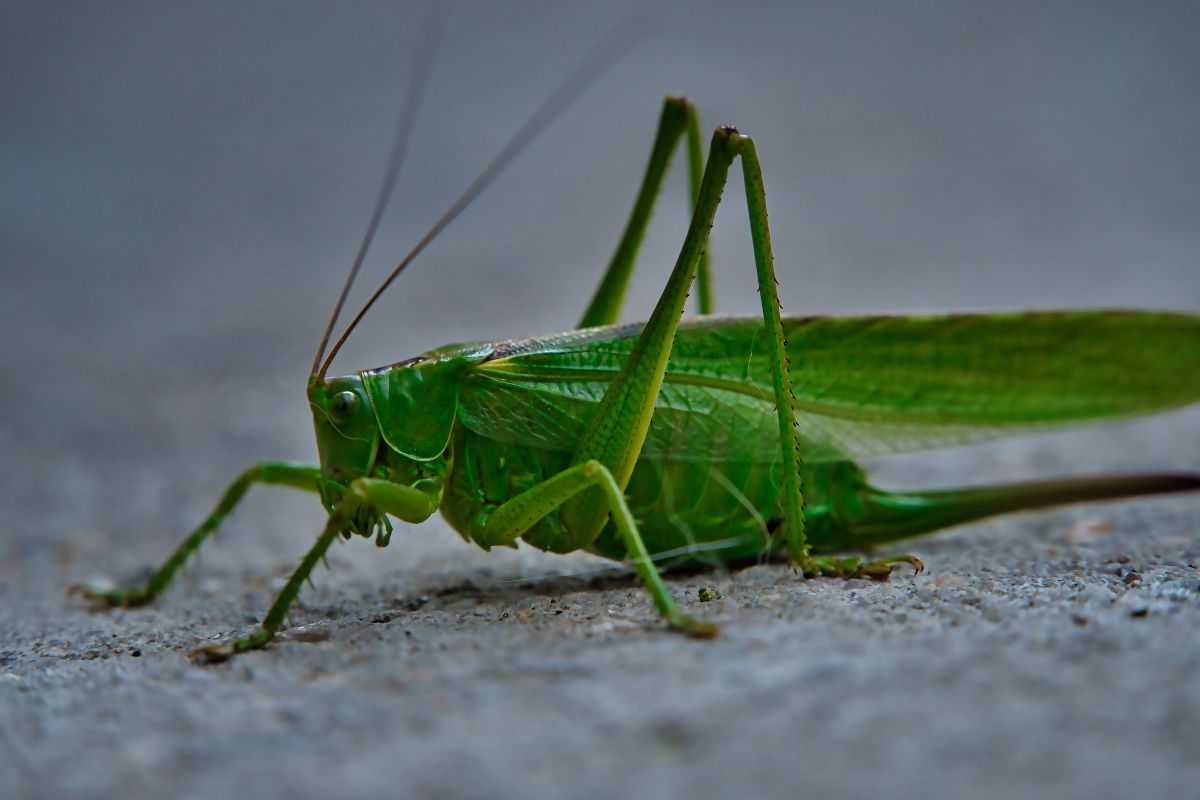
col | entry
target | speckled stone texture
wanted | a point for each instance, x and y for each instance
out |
(183, 191)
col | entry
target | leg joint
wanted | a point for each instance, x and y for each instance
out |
(679, 105)
(728, 140)
(593, 470)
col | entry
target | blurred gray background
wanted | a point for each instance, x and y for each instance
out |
(183, 187)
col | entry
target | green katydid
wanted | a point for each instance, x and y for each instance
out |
(715, 439)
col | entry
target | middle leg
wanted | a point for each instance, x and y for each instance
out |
(502, 526)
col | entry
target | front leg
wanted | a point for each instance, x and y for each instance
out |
(274, 473)
(375, 497)
(216, 653)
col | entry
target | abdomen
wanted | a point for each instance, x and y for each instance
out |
(686, 511)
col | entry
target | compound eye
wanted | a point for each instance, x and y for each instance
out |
(343, 406)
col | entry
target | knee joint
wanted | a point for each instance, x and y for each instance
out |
(593, 469)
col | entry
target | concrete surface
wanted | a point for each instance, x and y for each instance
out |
(1050, 654)
(185, 189)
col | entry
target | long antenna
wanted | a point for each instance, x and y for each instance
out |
(422, 67)
(619, 41)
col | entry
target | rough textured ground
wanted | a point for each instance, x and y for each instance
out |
(183, 190)
(1053, 652)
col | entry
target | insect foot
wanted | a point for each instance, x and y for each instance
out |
(212, 654)
(100, 599)
(216, 653)
(695, 628)
(857, 567)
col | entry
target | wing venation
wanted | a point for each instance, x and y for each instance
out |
(864, 386)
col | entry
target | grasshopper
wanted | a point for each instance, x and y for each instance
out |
(714, 440)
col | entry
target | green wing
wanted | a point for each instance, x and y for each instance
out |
(864, 385)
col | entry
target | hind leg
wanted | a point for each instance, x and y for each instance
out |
(678, 117)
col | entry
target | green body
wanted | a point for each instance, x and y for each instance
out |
(504, 417)
(719, 439)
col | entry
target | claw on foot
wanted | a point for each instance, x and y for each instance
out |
(216, 653)
(212, 654)
(857, 567)
(882, 570)
(695, 628)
